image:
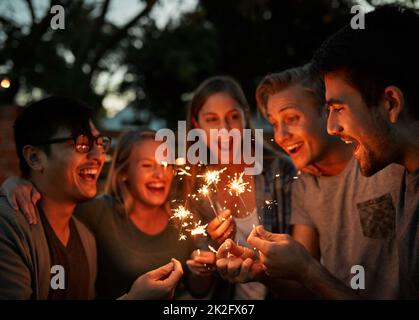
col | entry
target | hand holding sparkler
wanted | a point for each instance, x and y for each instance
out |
(222, 227)
(287, 258)
(202, 263)
(159, 283)
(238, 264)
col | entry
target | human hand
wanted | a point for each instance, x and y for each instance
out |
(222, 227)
(22, 195)
(202, 263)
(157, 284)
(238, 264)
(281, 255)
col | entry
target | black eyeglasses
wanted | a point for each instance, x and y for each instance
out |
(84, 143)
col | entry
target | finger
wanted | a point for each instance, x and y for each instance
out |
(229, 234)
(32, 206)
(205, 260)
(221, 217)
(244, 274)
(161, 272)
(177, 266)
(175, 275)
(36, 196)
(257, 242)
(221, 228)
(222, 267)
(24, 202)
(233, 267)
(11, 198)
(225, 248)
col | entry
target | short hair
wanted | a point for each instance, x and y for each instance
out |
(384, 53)
(41, 120)
(307, 77)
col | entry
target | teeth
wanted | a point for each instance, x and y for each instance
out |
(89, 171)
(156, 185)
(294, 146)
(348, 142)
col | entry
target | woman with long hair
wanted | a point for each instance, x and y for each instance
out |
(219, 103)
(131, 221)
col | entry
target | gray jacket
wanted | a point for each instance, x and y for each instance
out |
(25, 259)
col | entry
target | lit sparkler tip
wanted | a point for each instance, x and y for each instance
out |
(199, 229)
(204, 190)
(180, 161)
(212, 176)
(237, 185)
(180, 213)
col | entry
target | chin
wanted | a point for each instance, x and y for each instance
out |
(89, 194)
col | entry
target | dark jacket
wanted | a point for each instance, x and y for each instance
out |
(25, 264)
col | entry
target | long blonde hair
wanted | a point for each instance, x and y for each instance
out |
(115, 184)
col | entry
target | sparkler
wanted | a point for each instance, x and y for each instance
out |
(182, 214)
(237, 186)
(212, 249)
(199, 229)
(205, 191)
(212, 176)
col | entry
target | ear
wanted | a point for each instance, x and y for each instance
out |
(393, 103)
(35, 158)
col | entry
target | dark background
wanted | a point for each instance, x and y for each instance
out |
(159, 66)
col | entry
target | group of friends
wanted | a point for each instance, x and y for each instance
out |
(343, 193)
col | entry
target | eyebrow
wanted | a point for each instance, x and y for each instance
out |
(214, 113)
(287, 107)
(334, 101)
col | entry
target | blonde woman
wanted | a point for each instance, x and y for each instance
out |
(131, 221)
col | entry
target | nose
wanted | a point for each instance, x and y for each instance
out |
(333, 126)
(158, 171)
(281, 133)
(96, 153)
(225, 124)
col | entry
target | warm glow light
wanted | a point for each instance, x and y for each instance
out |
(180, 161)
(237, 185)
(5, 83)
(181, 213)
(213, 176)
(199, 229)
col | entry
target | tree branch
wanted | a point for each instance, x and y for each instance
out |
(31, 11)
(81, 55)
(120, 34)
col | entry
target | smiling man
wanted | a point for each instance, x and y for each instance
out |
(373, 99)
(337, 214)
(61, 153)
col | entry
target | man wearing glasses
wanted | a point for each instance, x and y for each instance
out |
(62, 154)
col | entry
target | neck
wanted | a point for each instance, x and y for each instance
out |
(335, 159)
(410, 153)
(149, 219)
(57, 211)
